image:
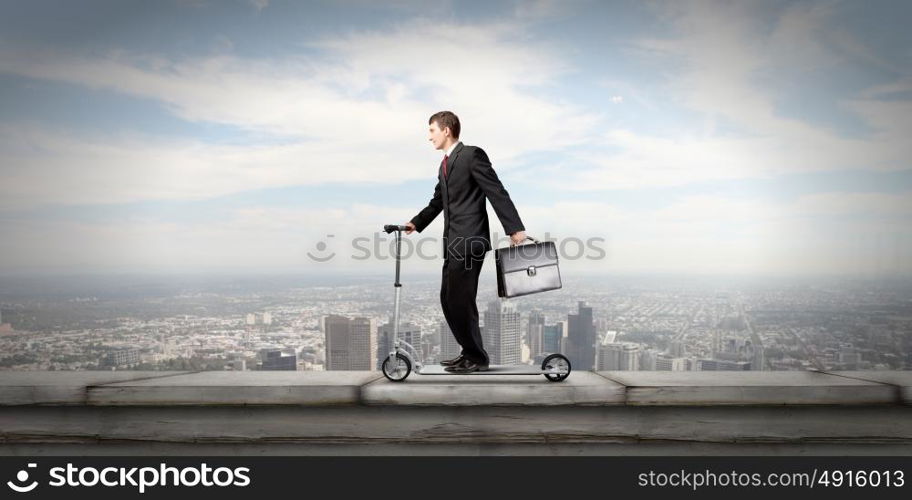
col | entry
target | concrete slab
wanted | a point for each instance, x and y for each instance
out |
(902, 379)
(239, 388)
(749, 388)
(62, 387)
(580, 388)
(487, 430)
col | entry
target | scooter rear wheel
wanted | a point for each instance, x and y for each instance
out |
(559, 362)
(400, 371)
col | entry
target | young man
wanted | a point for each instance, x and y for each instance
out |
(465, 179)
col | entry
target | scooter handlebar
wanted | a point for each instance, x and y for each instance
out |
(389, 228)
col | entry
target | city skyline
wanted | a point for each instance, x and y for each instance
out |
(655, 326)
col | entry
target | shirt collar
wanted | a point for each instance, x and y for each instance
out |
(450, 151)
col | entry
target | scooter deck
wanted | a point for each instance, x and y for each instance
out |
(492, 370)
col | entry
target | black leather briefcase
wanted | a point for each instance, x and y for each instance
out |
(525, 269)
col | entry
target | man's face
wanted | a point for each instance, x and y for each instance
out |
(437, 137)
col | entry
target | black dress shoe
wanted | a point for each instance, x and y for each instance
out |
(467, 366)
(454, 361)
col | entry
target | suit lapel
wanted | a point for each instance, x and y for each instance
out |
(445, 193)
(451, 162)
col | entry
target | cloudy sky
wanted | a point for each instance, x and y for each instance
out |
(758, 137)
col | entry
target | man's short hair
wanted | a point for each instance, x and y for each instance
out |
(446, 119)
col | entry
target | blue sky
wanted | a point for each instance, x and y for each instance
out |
(695, 137)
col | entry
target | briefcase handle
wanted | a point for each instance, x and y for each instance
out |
(524, 239)
(527, 238)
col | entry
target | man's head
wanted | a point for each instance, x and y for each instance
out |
(443, 129)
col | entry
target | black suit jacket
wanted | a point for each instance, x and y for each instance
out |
(461, 196)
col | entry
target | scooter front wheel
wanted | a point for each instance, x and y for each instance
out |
(399, 370)
(557, 362)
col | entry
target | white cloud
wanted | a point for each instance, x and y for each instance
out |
(494, 60)
(732, 71)
(545, 9)
(42, 167)
(359, 109)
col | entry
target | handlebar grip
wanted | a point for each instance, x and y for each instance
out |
(389, 228)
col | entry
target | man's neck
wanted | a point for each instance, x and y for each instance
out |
(447, 149)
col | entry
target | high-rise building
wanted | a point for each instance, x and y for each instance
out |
(351, 344)
(581, 338)
(716, 342)
(5, 327)
(602, 326)
(647, 360)
(501, 333)
(668, 364)
(677, 349)
(608, 356)
(552, 338)
(723, 365)
(449, 348)
(408, 332)
(251, 319)
(535, 331)
(758, 362)
(267, 318)
(618, 356)
(277, 359)
(630, 357)
(122, 357)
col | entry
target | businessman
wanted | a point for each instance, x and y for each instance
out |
(464, 180)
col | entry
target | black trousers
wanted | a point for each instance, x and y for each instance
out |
(458, 288)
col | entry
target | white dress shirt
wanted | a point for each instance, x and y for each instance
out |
(450, 151)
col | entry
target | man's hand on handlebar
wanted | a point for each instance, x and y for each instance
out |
(411, 228)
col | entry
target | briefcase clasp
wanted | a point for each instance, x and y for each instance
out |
(531, 271)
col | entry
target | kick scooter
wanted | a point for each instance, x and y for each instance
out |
(403, 356)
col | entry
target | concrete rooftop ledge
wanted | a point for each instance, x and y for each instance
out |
(580, 388)
(62, 388)
(127, 388)
(236, 388)
(362, 413)
(754, 388)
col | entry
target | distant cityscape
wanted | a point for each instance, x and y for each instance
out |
(602, 323)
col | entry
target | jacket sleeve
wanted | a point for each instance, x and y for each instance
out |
(487, 179)
(429, 213)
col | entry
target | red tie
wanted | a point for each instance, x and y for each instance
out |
(444, 165)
